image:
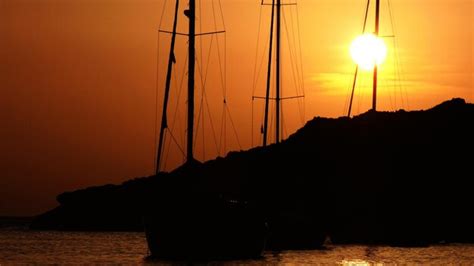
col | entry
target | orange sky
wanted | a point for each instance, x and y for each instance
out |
(78, 80)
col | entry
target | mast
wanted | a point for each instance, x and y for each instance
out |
(269, 71)
(278, 71)
(377, 19)
(191, 14)
(278, 52)
(357, 66)
(164, 118)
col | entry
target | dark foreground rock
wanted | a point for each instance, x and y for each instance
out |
(398, 178)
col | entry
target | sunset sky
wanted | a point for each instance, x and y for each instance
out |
(78, 79)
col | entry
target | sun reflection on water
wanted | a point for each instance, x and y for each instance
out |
(359, 263)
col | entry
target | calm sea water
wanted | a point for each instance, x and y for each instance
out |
(23, 246)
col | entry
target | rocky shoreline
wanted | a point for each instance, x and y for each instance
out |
(397, 178)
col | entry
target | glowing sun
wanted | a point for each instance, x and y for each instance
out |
(368, 50)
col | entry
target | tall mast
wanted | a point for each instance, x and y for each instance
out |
(164, 118)
(278, 52)
(191, 14)
(269, 71)
(377, 18)
(278, 71)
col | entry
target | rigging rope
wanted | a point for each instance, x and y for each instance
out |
(221, 130)
(303, 103)
(294, 65)
(397, 56)
(223, 121)
(204, 70)
(233, 126)
(254, 79)
(295, 83)
(356, 72)
(155, 134)
(176, 111)
(162, 14)
(157, 87)
(218, 50)
(397, 75)
(176, 142)
(298, 63)
(177, 115)
(203, 87)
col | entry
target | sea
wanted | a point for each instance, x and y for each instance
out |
(18, 245)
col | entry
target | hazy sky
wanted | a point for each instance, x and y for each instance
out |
(78, 79)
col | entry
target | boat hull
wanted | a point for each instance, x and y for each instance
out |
(205, 231)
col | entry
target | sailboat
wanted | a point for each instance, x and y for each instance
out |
(186, 219)
(290, 227)
(375, 68)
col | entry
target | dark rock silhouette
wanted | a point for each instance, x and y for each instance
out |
(11, 222)
(398, 178)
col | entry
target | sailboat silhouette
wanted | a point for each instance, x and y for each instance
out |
(190, 222)
(415, 190)
(376, 36)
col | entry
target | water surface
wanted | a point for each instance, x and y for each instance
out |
(46, 247)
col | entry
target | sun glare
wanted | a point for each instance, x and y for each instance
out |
(368, 50)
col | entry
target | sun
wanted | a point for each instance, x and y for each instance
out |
(368, 50)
